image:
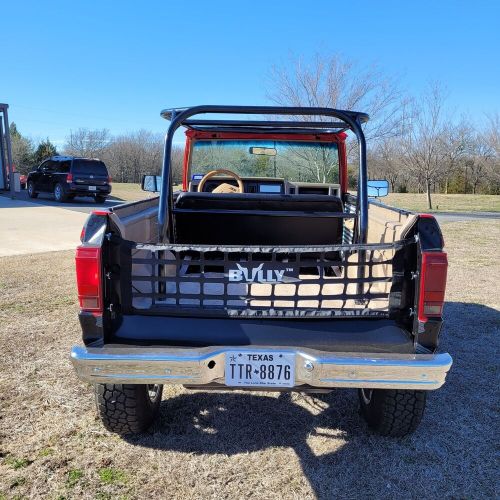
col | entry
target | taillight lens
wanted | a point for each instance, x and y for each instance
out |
(109, 179)
(432, 285)
(69, 178)
(88, 278)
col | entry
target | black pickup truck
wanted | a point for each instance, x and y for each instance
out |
(262, 273)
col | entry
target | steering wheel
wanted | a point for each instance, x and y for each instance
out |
(224, 187)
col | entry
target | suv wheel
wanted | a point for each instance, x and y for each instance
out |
(389, 412)
(31, 190)
(59, 193)
(100, 199)
(128, 408)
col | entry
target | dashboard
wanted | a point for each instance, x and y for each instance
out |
(266, 185)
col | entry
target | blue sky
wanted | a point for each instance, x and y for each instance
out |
(115, 65)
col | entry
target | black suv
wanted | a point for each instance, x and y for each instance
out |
(69, 176)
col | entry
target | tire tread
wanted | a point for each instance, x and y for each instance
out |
(123, 408)
(394, 412)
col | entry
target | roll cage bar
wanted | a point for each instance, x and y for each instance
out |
(349, 120)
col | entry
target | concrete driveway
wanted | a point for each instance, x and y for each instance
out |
(464, 216)
(27, 227)
(43, 225)
(80, 204)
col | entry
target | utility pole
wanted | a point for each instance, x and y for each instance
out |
(8, 147)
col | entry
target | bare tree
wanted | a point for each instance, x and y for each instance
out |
(492, 138)
(130, 156)
(454, 143)
(481, 158)
(492, 133)
(386, 162)
(421, 146)
(87, 143)
(336, 82)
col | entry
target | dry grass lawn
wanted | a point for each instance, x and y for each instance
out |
(233, 445)
(128, 191)
(445, 202)
(410, 201)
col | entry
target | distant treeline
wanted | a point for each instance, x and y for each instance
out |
(414, 141)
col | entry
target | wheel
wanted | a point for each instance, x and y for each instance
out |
(389, 412)
(128, 408)
(31, 190)
(59, 193)
(100, 199)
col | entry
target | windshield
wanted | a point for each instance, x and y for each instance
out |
(90, 167)
(296, 161)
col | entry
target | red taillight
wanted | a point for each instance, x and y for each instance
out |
(432, 285)
(69, 178)
(88, 278)
(109, 179)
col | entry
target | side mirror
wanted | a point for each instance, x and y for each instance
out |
(378, 188)
(151, 183)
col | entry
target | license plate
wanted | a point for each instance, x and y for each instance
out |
(92, 188)
(260, 369)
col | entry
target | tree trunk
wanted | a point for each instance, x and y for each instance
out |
(429, 201)
(446, 186)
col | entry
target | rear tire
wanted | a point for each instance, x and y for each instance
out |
(31, 190)
(128, 408)
(393, 413)
(59, 193)
(100, 199)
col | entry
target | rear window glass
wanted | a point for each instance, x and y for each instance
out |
(93, 167)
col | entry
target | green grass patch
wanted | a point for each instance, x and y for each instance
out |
(74, 476)
(18, 481)
(110, 475)
(103, 496)
(17, 463)
(45, 452)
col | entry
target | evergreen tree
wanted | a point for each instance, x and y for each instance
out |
(44, 150)
(22, 150)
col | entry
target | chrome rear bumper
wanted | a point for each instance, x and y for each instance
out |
(202, 366)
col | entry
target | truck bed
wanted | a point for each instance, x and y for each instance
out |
(337, 335)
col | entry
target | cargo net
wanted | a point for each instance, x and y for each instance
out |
(326, 281)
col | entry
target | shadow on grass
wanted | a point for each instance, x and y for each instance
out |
(451, 454)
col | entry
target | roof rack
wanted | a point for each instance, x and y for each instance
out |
(345, 120)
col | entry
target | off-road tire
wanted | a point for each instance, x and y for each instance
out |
(393, 413)
(31, 192)
(127, 408)
(59, 194)
(100, 199)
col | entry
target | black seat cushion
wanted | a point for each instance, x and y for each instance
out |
(269, 202)
(257, 219)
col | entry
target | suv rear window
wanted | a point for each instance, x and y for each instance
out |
(92, 167)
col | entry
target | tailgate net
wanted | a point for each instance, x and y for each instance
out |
(324, 281)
